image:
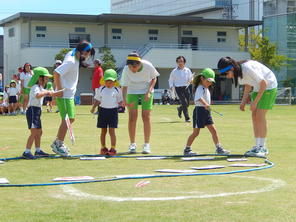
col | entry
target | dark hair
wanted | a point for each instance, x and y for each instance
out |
(24, 68)
(80, 47)
(42, 77)
(98, 62)
(133, 62)
(12, 83)
(196, 81)
(237, 70)
(181, 57)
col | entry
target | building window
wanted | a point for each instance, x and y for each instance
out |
(153, 34)
(221, 36)
(116, 31)
(40, 28)
(153, 38)
(74, 39)
(116, 34)
(116, 37)
(187, 32)
(11, 32)
(40, 35)
(79, 29)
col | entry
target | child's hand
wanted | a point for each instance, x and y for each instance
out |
(92, 110)
(207, 106)
(242, 106)
(147, 96)
(120, 103)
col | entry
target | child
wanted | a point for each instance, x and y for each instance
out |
(201, 114)
(5, 100)
(66, 79)
(109, 98)
(48, 99)
(12, 97)
(33, 114)
(253, 74)
(2, 111)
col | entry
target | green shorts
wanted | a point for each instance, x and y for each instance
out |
(134, 99)
(27, 91)
(21, 99)
(267, 100)
(66, 106)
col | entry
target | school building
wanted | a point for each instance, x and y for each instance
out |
(37, 37)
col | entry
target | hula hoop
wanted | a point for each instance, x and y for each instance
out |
(270, 164)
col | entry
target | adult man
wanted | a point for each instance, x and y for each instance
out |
(180, 79)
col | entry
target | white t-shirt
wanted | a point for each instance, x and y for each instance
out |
(33, 101)
(108, 97)
(69, 74)
(180, 77)
(254, 72)
(26, 76)
(138, 83)
(12, 91)
(202, 92)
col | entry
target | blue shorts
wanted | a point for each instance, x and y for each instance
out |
(33, 115)
(108, 118)
(201, 117)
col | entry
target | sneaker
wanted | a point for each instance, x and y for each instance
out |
(29, 156)
(132, 148)
(221, 150)
(112, 152)
(59, 148)
(104, 151)
(41, 153)
(179, 112)
(257, 151)
(188, 152)
(146, 148)
(187, 120)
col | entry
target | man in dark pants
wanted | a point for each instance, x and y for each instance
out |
(180, 78)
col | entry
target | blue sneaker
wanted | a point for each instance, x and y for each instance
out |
(28, 156)
(41, 153)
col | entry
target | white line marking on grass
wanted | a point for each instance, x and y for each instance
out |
(166, 119)
(275, 184)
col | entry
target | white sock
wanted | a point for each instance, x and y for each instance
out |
(262, 142)
(257, 140)
(38, 149)
(27, 150)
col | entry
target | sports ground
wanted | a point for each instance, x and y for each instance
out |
(264, 195)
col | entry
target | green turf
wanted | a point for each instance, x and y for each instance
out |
(168, 138)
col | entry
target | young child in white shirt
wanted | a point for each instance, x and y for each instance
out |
(12, 92)
(202, 112)
(33, 114)
(109, 98)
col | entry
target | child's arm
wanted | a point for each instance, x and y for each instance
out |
(57, 83)
(207, 106)
(96, 103)
(246, 96)
(43, 93)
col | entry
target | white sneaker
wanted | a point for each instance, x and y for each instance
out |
(132, 148)
(146, 148)
(257, 151)
(59, 148)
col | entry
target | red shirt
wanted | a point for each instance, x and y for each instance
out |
(97, 75)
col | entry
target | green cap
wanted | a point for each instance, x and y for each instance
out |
(49, 85)
(38, 71)
(209, 74)
(110, 74)
(12, 81)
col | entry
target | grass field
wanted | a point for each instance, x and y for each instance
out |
(272, 196)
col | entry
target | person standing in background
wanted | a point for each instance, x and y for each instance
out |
(97, 74)
(180, 79)
(25, 77)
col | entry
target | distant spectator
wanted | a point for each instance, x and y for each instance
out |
(12, 97)
(165, 97)
(25, 77)
(97, 74)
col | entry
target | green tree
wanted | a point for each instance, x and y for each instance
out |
(108, 59)
(62, 53)
(264, 51)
